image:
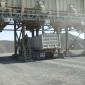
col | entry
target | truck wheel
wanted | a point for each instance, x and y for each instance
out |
(48, 55)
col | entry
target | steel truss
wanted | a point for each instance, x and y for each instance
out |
(21, 43)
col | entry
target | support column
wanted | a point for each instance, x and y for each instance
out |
(32, 33)
(60, 54)
(83, 53)
(67, 53)
(37, 32)
(15, 39)
(84, 44)
(23, 44)
(42, 29)
(66, 36)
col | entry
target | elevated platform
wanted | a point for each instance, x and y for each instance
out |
(34, 20)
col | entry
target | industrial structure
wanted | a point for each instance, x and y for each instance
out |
(34, 16)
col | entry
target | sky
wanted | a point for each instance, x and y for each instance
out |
(9, 35)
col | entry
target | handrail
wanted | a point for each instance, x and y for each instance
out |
(40, 16)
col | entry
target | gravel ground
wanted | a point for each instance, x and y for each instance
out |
(68, 71)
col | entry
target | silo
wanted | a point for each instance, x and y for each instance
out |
(68, 8)
(55, 5)
(50, 4)
(13, 3)
(30, 3)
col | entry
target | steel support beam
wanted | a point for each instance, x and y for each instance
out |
(37, 32)
(15, 39)
(66, 34)
(43, 30)
(23, 43)
(32, 33)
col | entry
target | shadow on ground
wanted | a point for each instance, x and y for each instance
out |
(8, 60)
(12, 59)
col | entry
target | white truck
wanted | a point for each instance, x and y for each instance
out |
(45, 46)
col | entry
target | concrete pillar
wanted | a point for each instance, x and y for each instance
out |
(67, 53)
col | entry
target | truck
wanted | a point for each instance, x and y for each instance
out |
(45, 46)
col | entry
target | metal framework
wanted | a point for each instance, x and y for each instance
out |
(33, 22)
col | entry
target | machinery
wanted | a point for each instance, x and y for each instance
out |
(41, 47)
(31, 15)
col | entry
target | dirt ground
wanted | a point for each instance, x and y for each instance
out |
(68, 71)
